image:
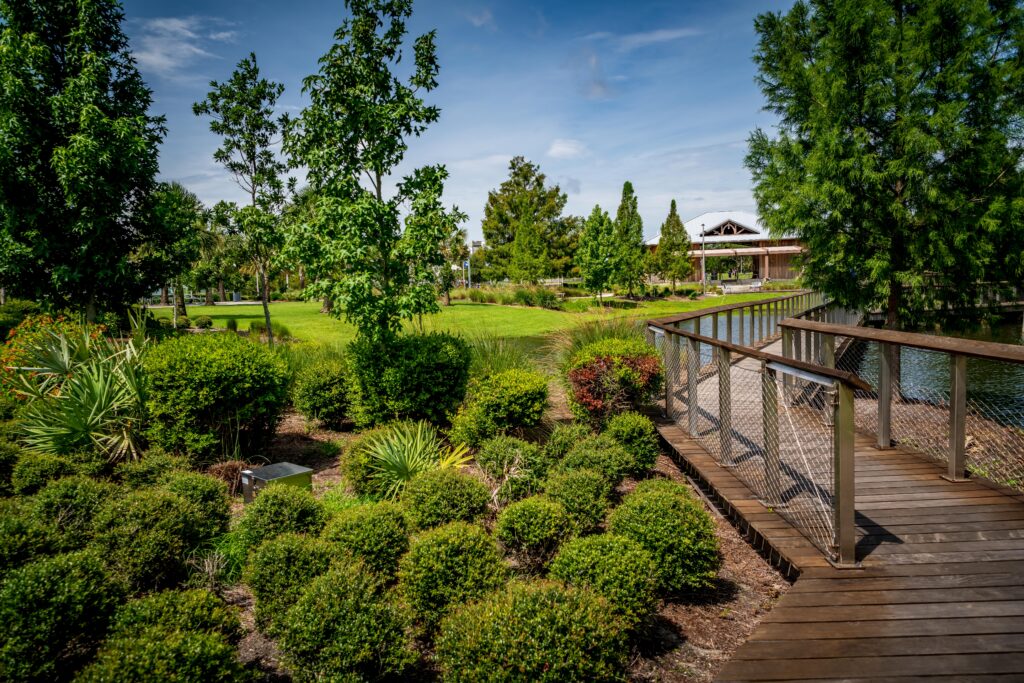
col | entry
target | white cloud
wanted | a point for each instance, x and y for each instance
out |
(482, 19)
(628, 42)
(566, 148)
(223, 36)
(167, 46)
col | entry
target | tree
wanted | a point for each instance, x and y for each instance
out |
(628, 240)
(897, 161)
(596, 254)
(241, 111)
(529, 254)
(455, 252)
(671, 258)
(180, 214)
(356, 126)
(523, 199)
(562, 241)
(78, 158)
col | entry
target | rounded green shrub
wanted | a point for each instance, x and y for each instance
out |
(231, 324)
(66, 507)
(583, 493)
(517, 466)
(615, 567)
(505, 401)
(611, 375)
(278, 571)
(156, 655)
(635, 433)
(357, 463)
(153, 466)
(320, 392)
(32, 471)
(52, 613)
(536, 631)
(9, 455)
(444, 495)
(183, 322)
(662, 485)
(374, 533)
(415, 376)
(146, 537)
(679, 534)
(343, 628)
(533, 528)
(447, 566)
(170, 611)
(209, 495)
(280, 509)
(563, 437)
(22, 537)
(601, 454)
(204, 322)
(213, 394)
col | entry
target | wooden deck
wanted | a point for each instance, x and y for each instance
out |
(940, 593)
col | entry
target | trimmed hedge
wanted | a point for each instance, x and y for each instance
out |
(196, 610)
(503, 402)
(22, 537)
(320, 392)
(280, 509)
(635, 433)
(662, 485)
(374, 533)
(611, 375)
(156, 655)
(601, 454)
(584, 493)
(533, 528)
(33, 471)
(444, 495)
(517, 467)
(9, 455)
(153, 466)
(66, 507)
(279, 570)
(208, 494)
(564, 437)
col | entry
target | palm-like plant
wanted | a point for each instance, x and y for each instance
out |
(407, 449)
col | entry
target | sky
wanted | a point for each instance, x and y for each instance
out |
(662, 94)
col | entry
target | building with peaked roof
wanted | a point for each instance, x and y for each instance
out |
(739, 233)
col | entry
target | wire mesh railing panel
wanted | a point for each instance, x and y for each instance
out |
(994, 446)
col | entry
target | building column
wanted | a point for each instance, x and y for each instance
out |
(764, 266)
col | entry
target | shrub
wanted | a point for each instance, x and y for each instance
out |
(533, 528)
(356, 463)
(403, 451)
(66, 507)
(211, 395)
(679, 535)
(34, 470)
(662, 485)
(155, 655)
(279, 570)
(146, 537)
(601, 454)
(584, 493)
(421, 376)
(563, 437)
(153, 466)
(536, 631)
(517, 466)
(183, 322)
(506, 401)
(343, 628)
(280, 509)
(33, 331)
(209, 495)
(204, 322)
(199, 611)
(13, 312)
(635, 433)
(374, 533)
(231, 325)
(491, 355)
(616, 568)
(444, 495)
(320, 392)
(612, 375)
(52, 612)
(447, 566)
(22, 538)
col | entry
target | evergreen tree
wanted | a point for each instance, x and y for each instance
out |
(529, 254)
(78, 157)
(628, 238)
(595, 256)
(456, 253)
(671, 259)
(897, 161)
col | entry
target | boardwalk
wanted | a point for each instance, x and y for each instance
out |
(940, 593)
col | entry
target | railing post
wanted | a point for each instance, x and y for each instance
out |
(770, 432)
(816, 348)
(671, 346)
(725, 405)
(844, 489)
(828, 350)
(787, 352)
(957, 418)
(740, 323)
(714, 334)
(728, 326)
(762, 326)
(692, 370)
(886, 358)
(798, 337)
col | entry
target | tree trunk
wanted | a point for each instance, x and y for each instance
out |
(447, 297)
(266, 306)
(3, 296)
(302, 276)
(164, 300)
(220, 290)
(179, 300)
(209, 296)
(328, 306)
(90, 310)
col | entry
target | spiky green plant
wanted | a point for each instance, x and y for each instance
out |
(491, 355)
(407, 449)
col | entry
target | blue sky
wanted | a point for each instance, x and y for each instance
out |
(596, 93)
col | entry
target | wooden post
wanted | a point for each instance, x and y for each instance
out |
(714, 334)
(886, 353)
(725, 406)
(828, 350)
(844, 489)
(770, 433)
(741, 323)
(798, 337)
(957, 418)
(671, 347)
(692, 370)
(787, 352)
(728, 326)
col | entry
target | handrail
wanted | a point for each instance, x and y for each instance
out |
(963, 347)
(700, 313)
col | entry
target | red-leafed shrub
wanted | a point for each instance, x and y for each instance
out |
(612, 375)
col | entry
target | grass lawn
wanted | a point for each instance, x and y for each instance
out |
(305, 321)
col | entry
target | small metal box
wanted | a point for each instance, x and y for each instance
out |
(253, 481)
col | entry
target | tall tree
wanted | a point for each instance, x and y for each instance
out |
(456, 253)
(78, 157)
(671, 259)
(241, 112)
(529, 254)
(897, 160)
(357, 126)
(595, 256)
(522, 199)
(181, 214)
(562, 241)
(628, 238)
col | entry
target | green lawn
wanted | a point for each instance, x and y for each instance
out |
(305, 321)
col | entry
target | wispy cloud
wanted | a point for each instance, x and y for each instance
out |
(168, 46)
(223, 36)
(628, 42)
(566, 148)
(482, 19)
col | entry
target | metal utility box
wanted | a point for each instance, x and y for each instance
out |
(253, 481)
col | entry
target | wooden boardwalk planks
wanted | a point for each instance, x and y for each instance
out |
(940, 594)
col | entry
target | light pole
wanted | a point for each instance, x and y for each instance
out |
(703, 270)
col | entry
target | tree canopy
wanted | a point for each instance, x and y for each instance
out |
(671, 258)
(596, 254)
(628, 240)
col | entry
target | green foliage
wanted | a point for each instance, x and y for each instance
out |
(214, 395)
(601, 454)
(678, 533)
(616, 568)
(52, 613)
(595, 257)
(419, 376)
(280, 509)
(566, 344)
(374, 533)
(396, 455)
(628, 243)
(671, 258)
(204, 322)
(491, 355)
(183, 322)
(564, 437)
(612, 375)
(537, 631)
(357, 463)
(344, 628)
(583, 493)
(153, 466)
(529, 261)
(503, 402)
(280, 569)
(258, 328)
(448, 566)
(155, 655)
(320, 392)
(208, 495)
(66, 507)
(197, 611)
(663, 486)
(22, 537)
(516, 466)
(533, 527)
(635, 433)
(13, 312)
(231, 325)
(33, 470)
(444, 495)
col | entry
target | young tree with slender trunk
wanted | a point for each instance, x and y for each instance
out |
(529, 254)
(628, 238)
(456, 253)
(671, 259)
(595, 256)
